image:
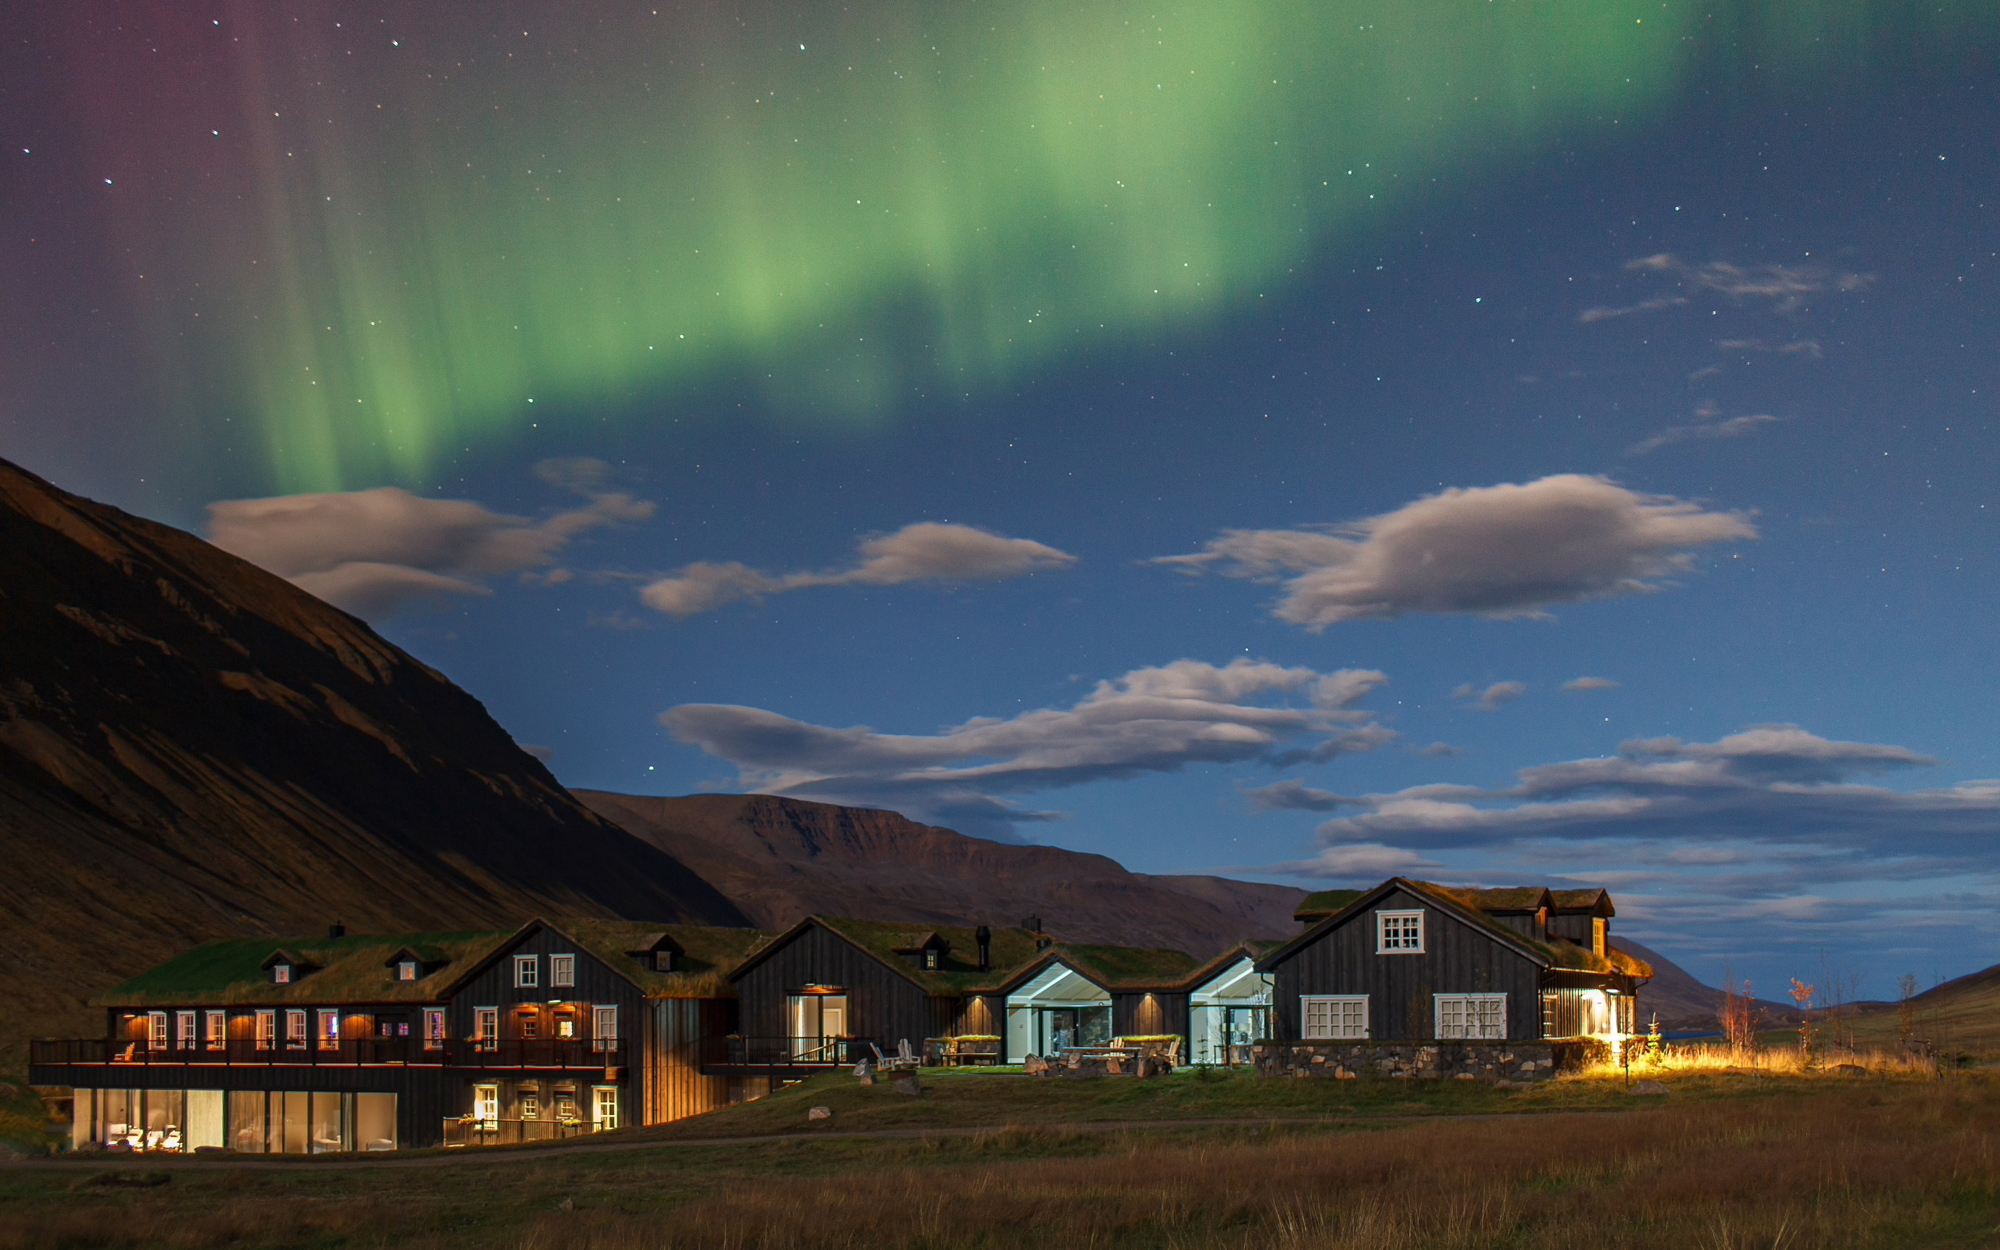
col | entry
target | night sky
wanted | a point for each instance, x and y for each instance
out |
(1490, 442)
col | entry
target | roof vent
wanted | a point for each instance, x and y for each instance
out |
(984, 936)
(1032, 924)
(336, 929)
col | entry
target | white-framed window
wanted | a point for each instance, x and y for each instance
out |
(267, 1029)
(1476, 1017)
(486, 1027)
(216, 1028)
(295, 1028)
(1332, 1016)
(663, 961)
(604, 1106)
(527, 971)
(486, 1105)
(281, 974)
(184, 1030)
(156, 1030)
(1399, 933)
(406, 970)
(604, 1028)
(433, 1028)
(329, 1030)
(930, 960)
(562, 971)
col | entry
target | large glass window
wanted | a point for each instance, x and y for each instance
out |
(1061, 1028)
(604, 1106)
(290, 1133)
(328, 1123)
(246, 1121)
(374, 1121)
(816, 1022)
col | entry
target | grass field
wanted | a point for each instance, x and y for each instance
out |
(1724, 1161)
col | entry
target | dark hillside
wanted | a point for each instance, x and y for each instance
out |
(192, 748)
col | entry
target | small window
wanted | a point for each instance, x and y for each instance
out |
(486, 1027)
(1331, 1017)
(267, 1029)
(663, 961)
(406, 970)
(1472, 1017)
(1399, 933)
(531, 1106)
(930, 960)
(562, 971)
(295, 1028)
(527, 971)
(604, 1107)
(217, 1029)
(433, 1028)
(604, 1028)
(156, 1030)
(184, 1030)
(329, 1030)
(281, 974)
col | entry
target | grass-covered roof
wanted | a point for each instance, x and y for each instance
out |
(958, 971)
(1324, 903)
(356, 969)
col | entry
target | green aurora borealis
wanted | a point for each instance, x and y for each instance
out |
(379, 240)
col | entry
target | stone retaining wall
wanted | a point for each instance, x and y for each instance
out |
(1430, 1061)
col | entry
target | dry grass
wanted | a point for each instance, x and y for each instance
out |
(1875, 1163)
(1783, 1059)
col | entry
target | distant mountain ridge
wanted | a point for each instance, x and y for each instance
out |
(191, 747)
(779, 859)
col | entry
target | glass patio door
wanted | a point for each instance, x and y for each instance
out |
(817, 1023)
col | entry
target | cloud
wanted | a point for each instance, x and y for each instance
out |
(1493, 698)
(1361, 861)
(370, 551)
(1590, 683)
(924, 551)
(1439, 751)
(1500, 551)
(1293, 795)
(1150, 720)
(1785, 286)
(1734, 427)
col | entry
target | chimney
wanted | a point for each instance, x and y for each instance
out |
(984, 936)
(336, 929)
(1032, 924)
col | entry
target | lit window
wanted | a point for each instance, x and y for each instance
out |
(406, 970)
(1475, 1017)
(604, 1028)
(156, 1030)
(1399, 933)
(527, 971)
(486, 1027)
(930, 960)
(217, 1029)
(562, 971)
(295, 1028)
(329, 1030)
(1328, 1017)
(604, 1107)
(433, 1028)
(184, 1030)
(281, 974)
(267, 1029)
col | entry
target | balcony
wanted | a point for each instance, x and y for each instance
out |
(554, 1054)
(784, 1058)
(472, 1131)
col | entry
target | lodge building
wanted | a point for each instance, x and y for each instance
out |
(355, 1043)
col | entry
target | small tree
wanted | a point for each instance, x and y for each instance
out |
(1802, 994)
(1656, 1045)
(1738, 1017)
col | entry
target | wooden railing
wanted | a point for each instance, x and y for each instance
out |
(473, 1131)
(774, 1054)
(558, 1053)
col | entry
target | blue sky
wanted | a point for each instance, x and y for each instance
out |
(1619, 512)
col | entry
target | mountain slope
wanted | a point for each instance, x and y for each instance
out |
(779, 859)
(1681, 1001)
(191, 747)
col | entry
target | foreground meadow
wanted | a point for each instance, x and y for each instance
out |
(1725, 1161)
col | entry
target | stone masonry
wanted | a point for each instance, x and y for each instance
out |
(1430, 1061)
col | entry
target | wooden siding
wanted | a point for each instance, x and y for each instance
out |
(1457, 959)
(1574, 926)
(596, 984)
(881, 1003)
(671, 1080)
(424, 1096)
(1149, 1015)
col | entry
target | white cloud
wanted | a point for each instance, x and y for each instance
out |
(1607, 313)
(1150, 720)
(1439, 751)
(1734, 427)
(924, 551)
(1369, 861)
(1503, 551)
(1493, 697)
(1293, 795)
(371, 550)
(1590, 683)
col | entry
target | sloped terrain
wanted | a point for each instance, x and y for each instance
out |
(191, 747)
(780, 859)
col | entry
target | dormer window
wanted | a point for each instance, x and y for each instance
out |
(931, 960)
(406, 970)
(663, 961)
(281, 974)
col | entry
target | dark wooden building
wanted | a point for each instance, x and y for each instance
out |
(1410, 960)
(376, 1042)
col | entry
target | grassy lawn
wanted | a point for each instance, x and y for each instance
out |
(1724, 1161)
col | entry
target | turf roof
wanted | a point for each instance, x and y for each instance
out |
(356, 969)
(1325, 903)
(958, 971)
(1128, 967)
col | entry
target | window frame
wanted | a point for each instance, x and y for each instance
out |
(600, 1096)
(1382, 921)
(157, 1037)
(434, 1028)
(562, 971)
(267, 1028)
(486, 1028)
(604, 1026)
(186, 1034)
(328, 1034)
(298, 1035)
(1337, 1017)
(1473, 1027)
(215, 1029)
(406, 969)
(281, 974)
(527, 972)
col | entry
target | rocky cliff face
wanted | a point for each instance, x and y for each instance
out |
(780, 859)
(191, 747)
